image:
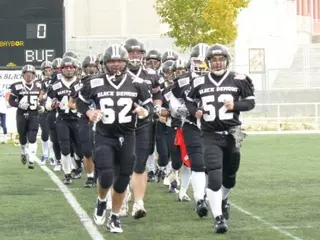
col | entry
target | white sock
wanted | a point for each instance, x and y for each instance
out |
(225, 192)
(215, 201)
(151, 163)
(113, 213)
(66, 163)
(73, 162)
(45, 148)
(102, 200)
(24, 149)
(51, 152)
(109, 197)
(185, 179)
(4, 138)
(198, 181)
(32, 152)
(90, 175)
(168, 168)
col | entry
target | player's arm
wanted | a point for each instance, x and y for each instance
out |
(192, 98)
(13, 97)
(146, 108)
(51, 100)
(156, 95)
(247, 101)
(83, 102)
(75, 88)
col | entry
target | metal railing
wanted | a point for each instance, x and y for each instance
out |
(283, 116)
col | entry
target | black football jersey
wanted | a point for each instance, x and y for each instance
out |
(61, 90)
(181, 88)
(28, 93)
(151, 78)
(116, 101)
(212, 94)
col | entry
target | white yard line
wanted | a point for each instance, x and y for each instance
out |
(260, 219)
(83, 216)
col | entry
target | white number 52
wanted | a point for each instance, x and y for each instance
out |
(208, 106)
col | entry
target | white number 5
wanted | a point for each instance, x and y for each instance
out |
(208, 106)
(109, 115)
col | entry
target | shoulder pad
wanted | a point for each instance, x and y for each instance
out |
(77, 87)
(18, 86)
(198, 81)
(96, 82)
(168, 96)
(56, 86)
(239, 76)
(138, 80)
(39, 84)
(183, 81)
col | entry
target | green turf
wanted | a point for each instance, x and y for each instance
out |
(278, 181)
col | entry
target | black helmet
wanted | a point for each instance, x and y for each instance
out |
(70, 54)
(115, 52)
(131, 45)
(28, 68)
(169, 55)
(45, 64)
(56, 63)
(214, 50)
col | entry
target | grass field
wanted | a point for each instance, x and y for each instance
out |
(277, 197)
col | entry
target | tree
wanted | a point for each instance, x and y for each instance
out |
(194, 21)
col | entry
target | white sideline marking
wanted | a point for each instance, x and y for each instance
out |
(281, 132)
(84, 218)
(259, 219)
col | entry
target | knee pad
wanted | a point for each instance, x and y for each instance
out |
(139, 166)
(121, 184)
(65, 149)
(230, 172)
(32, 136)
(105, 178)
(214, 179)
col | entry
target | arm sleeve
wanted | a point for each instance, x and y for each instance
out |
(192, 95)
(84, 99)
(247, 101)
(13, 98)
(145, 97)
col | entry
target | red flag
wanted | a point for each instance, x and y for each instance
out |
(179, 141)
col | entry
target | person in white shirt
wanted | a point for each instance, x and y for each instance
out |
(3, 113)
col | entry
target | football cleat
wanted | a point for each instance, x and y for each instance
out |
(67, 179)
(99, 215)
(160, 175)
(114, 224)
(51, 161)
(226, 208)
(23, 158)
(31, 165)
(221, 224)
(173, 187)
(151, 176)
(184, 198)
(57, 167)
(90, 183)
(201, 208)
(77, 173)
(138, 210)
(43, 160)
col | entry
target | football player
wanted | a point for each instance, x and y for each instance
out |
(26, 96)
(90, 68)
(51, 116)
(47, 151)
(144, 132)
(67, 120)
(162, 128)
(190, 132)
(116, 95)
(222, 94)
